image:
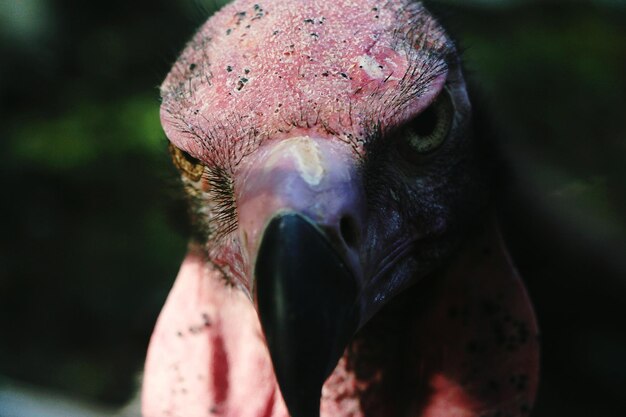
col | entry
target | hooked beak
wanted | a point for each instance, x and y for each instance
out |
(306, 302)
(301, 213)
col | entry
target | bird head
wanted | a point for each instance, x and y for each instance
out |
(329, 157)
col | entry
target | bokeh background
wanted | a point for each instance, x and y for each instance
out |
(92, 226)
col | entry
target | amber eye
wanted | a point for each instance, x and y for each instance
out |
(430, 128)
(189, 166)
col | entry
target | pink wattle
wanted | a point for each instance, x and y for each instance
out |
(464, 345)
(207, 354)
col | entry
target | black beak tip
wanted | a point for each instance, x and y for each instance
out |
(306, 297)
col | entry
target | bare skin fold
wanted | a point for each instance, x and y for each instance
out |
(346, 262)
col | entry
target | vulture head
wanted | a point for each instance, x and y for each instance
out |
(345, 261)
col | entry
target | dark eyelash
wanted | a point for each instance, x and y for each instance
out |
(224, 215)
(221, 219)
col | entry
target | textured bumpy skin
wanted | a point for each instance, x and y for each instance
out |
(256, 69)
(265, 71)
(301, 106)
(207, 354)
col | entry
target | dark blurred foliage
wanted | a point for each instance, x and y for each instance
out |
(93, 228)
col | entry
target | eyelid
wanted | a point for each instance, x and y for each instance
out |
(189, 166)
(421, 144)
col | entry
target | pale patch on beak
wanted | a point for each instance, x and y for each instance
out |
(316, 178)
(306, 154)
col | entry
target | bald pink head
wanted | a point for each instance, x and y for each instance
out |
(345, 264)
(261, 69)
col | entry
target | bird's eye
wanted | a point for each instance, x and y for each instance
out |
(431, 127)
(189, 166)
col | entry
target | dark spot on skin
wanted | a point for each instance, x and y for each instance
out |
(240, 16)
(213, 410)
(325, 74)
(179, 334)
(343, 74)
(206, 320)
(246, 71)
(243, 79)
(315, 35)
(247, 26)
(257, 7)
(240, 85)
(228, 31)
(309, 21)
(509, 333)
(192, 67)
(275, 32)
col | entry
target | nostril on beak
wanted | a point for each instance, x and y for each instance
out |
(349, 231)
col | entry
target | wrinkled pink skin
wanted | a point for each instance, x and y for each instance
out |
(284, 96)
(328, 65)
(208, 356)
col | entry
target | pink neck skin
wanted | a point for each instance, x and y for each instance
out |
(207, 355)
(462, 346)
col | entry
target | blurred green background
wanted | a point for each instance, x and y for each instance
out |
(93, 226)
